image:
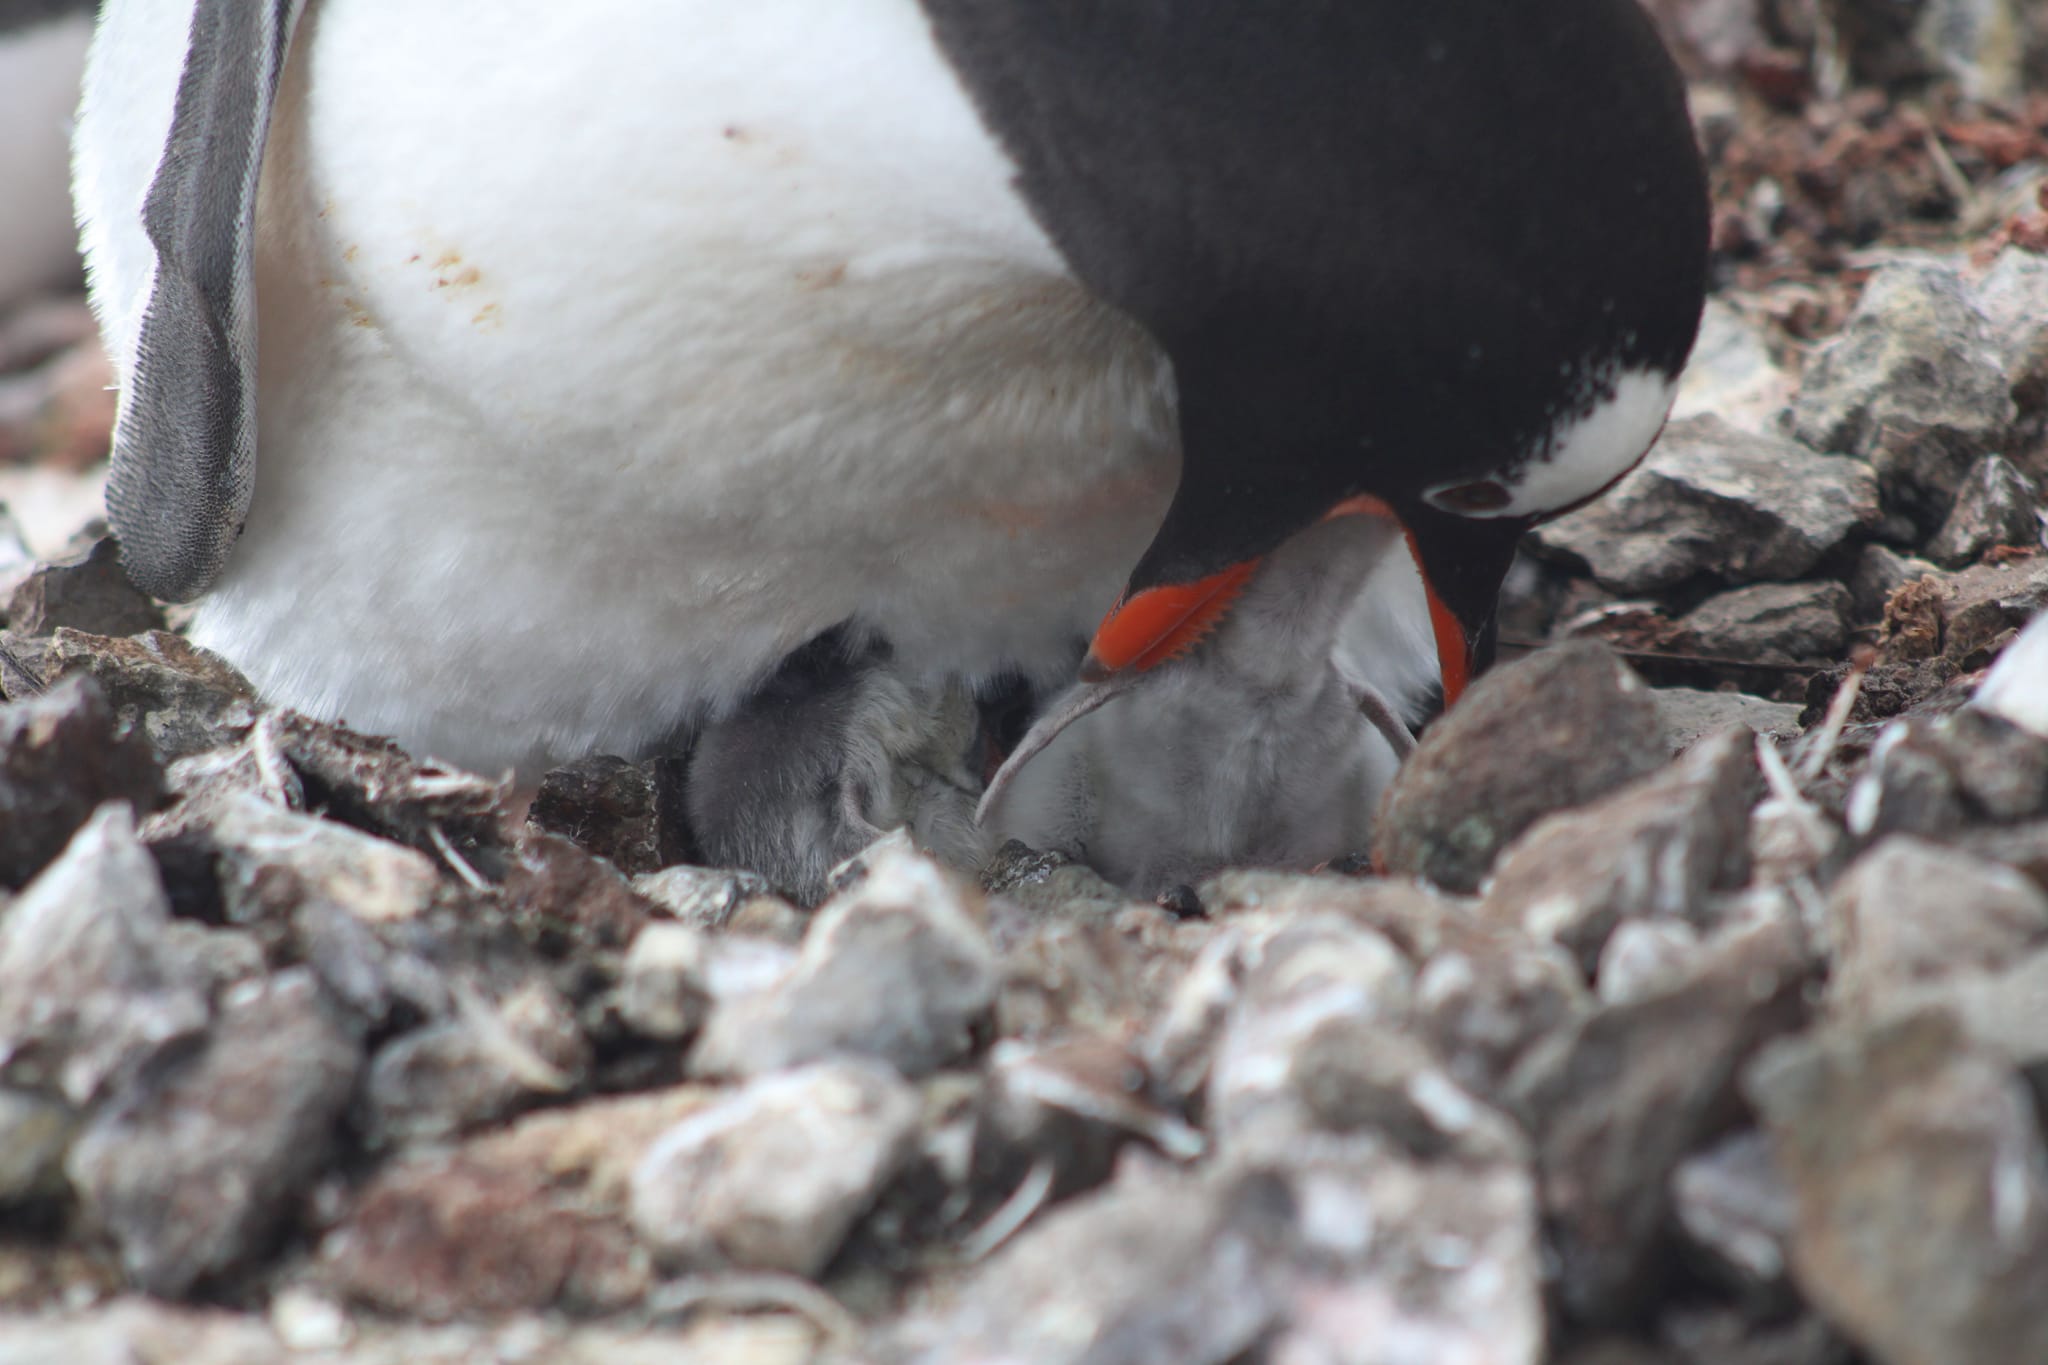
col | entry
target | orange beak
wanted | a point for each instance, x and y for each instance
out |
(1166, 622)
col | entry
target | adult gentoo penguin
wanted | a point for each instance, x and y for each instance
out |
(525, 379)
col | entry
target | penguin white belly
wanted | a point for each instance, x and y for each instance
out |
(610, 351)
(39, 68)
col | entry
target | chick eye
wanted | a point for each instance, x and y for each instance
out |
(1469, 499)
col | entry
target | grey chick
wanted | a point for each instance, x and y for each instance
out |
(1239, 754)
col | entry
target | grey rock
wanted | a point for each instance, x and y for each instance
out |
(1644, 958)
(2013, 294)
(1936, 776)
(775, 1175)
(708, 898)
(192, 1172)
(1063, 976)
(662, 993)
(1618, 1098)
(1484, 998)
(1712, 501)
(2003, 1008)
(374, 785)
(1907, 911)
(1731, 374)
(91, 987)
(1546, 733)
(494, 1057)
(1344, 1252)
(1735, 1206)
(611, 808)
(273, 861)
(898, 968)
(86, 592)
(1181, 1042)
(1188, 1269)
(1050, 882)
(1654, 849)
(35, 1134)
(1064, 1110)
(183, 699)
(1772, 622)
(1441, 1258)
(1880, 572)
(1915, 383)
(1314, 972)
(1689, 715)
(1997, 505)
(1922, 1189)
(61, 757)
(530, 1217)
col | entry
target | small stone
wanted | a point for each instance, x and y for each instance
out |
(1735, 1206)
(1654, 849)
(897, 967)
(61, 757)
(608, 807)
(1050, 882)
(1645, 958)
(1305, 975)
(1997, 505)
(1690, 715)
(192, 1173)
(1936, 776)
(86, 592)
(1555, 730)
(704, 897)
(2013, 295)
(568, 904)
(527, 1218)
(182, 698)
(1189, 1269)
(1922, 1189)
(774, 1176)
(1880, 572)
(1731, 374)
(272, 861)
(1914, 383)
(662, 993)
(492, 1058)
(91, 987)
(1068, 1108)
(1484, 998)
(1063, 977)
(1908, 911)
(1772, 622)
(306, 1321)
(1617, 1098)
(35, 1134)
(374, 785)
(1712, 501)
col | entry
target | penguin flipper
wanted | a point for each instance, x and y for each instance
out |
(184, 458)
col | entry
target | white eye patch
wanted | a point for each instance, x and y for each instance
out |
(1588, 448)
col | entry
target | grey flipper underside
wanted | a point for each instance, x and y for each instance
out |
(184, 465)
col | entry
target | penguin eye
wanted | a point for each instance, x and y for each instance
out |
(1469, 499)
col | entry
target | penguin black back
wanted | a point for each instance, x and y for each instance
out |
(1388, 246)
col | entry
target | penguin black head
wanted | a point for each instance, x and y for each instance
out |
(1442, 261)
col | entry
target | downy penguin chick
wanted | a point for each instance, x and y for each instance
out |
(1267, 746)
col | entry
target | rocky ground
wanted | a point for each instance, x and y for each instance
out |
(1699, 1017)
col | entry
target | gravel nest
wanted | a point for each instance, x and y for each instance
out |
(1691, 1009)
